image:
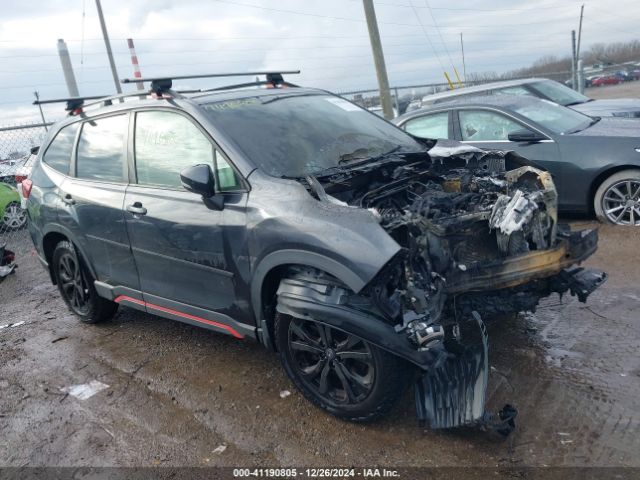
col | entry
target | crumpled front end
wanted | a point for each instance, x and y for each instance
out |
(478, 241)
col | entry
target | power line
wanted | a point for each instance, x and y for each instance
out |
(439, 33)
(427, 37)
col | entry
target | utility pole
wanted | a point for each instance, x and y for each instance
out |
(579, 33)
(37, 95)
(574, 73)
(580, 76)
(67, 69)
(464, 65)
(378, 58)
(107, 44)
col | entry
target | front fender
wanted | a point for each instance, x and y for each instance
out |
(328, 303)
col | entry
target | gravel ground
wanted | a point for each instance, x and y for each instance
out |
(182, 396)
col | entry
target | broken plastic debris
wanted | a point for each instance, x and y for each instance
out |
(285, 393)
(85, 390)
(11, 325)
(219, 449)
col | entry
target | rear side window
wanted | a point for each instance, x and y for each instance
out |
(429, 126)
(166, 143)
(58, 155)
(101, 149)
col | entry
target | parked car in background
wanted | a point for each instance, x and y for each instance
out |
(595, 162)
(22, 172)
(548, 90)
(415, 104)
(12, 215)
(607, 80)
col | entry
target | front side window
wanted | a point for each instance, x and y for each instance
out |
(555, 117)
(101, 149)
(58, 155)
(483, 126)
(429, 126)
(166, 143)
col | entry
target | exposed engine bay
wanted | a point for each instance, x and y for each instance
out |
(480, 238)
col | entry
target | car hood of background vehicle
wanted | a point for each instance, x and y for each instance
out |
(614, 107)
(612, 127)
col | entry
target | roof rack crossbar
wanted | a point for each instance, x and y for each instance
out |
(160, 85)
(68, 99)
(210, 75)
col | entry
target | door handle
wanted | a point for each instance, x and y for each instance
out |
(137, 209)
(68, 199)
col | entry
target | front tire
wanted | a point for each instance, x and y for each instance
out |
(339, 372)
(76, 286)
(617, 200)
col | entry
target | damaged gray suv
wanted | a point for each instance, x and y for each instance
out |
(368, 259)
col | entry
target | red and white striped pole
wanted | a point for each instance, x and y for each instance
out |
(134, 61)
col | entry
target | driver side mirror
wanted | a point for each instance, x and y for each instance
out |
(201, 180)
(525, 135)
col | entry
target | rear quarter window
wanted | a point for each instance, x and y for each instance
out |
(58, 154)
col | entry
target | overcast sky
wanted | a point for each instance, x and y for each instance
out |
(326, 39)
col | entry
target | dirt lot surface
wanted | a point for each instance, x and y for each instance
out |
(622, 90)
(177, 393)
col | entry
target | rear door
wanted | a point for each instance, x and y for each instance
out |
(93, 196)
(186, 252)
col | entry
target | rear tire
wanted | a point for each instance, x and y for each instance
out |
(75, 284)
(617, 200)
(338, 372)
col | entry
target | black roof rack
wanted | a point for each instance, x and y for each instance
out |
(73, 103)
(160, 85)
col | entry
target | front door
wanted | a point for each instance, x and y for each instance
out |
(182, 247)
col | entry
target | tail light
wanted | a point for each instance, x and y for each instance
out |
(26, 187)
(20, 178)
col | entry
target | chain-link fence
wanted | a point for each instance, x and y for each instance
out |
(16, 162)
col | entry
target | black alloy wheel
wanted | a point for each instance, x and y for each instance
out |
(339, 366)
(76, 287)
(338, 371)
(73, 285)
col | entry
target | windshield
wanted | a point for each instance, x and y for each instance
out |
(556, 92)
(305, 134)
(554, 117)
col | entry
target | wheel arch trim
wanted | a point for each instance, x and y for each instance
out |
(59, 229)
(286, 257)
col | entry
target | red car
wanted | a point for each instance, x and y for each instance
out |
(606, 80)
